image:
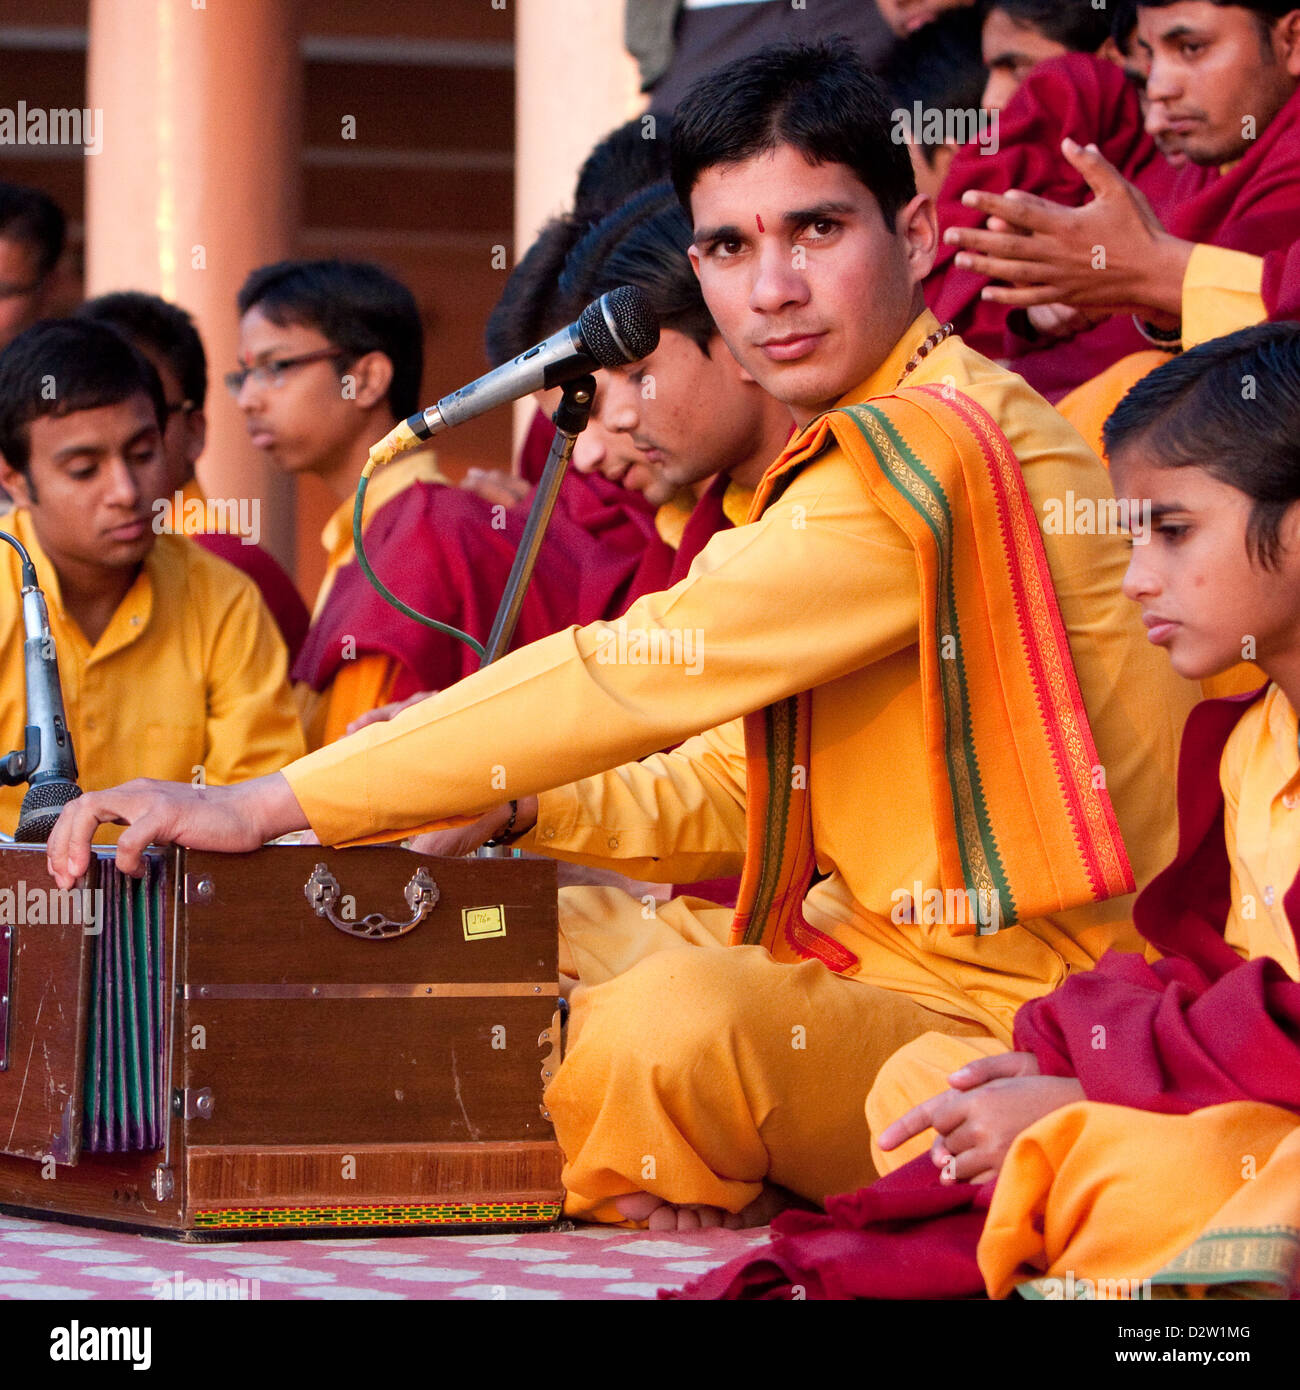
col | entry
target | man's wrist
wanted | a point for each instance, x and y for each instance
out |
(1162, 283)
(526, 816)
(268, 804)
(519, 816)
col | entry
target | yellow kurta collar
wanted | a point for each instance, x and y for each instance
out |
(131, 617)
(671, 518)
(1283, 728)
(885, 378)
(420, 466)
(735, 503)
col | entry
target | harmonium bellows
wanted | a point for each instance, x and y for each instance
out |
(297, 1039)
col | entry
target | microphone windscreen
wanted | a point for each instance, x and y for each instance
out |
(619, 327)
(40, 809)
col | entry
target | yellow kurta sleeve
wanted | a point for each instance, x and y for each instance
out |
(671, 818)
(743, 629)
(1222, 292)
(1259, 774)
(252, 723)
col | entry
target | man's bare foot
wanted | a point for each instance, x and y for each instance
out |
(665, 1216)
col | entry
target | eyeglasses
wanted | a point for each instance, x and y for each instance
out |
(272, 373)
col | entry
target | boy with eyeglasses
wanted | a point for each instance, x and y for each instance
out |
(331, 357)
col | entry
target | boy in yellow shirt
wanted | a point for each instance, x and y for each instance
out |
(170, 663)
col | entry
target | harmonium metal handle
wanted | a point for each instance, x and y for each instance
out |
(323, 893)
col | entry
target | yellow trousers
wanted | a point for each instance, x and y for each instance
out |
(699, 1071)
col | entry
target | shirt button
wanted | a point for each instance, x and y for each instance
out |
(613, 842)
(548, 833)
(1290, 801)
(135, 620)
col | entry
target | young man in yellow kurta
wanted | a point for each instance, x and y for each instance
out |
(892, 671)
(171, 665)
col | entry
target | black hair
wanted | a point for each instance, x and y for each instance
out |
(643, 243)
(531, 306)
(1266, 14)
(819, 98)
(357, 306)
(34, 218)
(1232, 407)
(153, 324)
(940, 65)
(1269, 9)
(1123, 24)
(1077, 24)
(60, 366)
(626, 160)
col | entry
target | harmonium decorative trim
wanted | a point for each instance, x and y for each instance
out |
(295, 1039)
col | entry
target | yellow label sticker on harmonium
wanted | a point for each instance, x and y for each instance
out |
(483, 921)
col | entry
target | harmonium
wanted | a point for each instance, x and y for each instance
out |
(294, 1040)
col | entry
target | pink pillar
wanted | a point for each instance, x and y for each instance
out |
(196, 185)
(574, 82)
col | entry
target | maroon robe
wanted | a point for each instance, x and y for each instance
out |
(437, 548)
(626, 557)
(1201, 1027)
(707, 518)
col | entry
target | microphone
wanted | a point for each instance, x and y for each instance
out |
(618, 328)
(46, 760)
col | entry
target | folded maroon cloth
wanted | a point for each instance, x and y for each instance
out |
(907, 1236)
(1201, 1027)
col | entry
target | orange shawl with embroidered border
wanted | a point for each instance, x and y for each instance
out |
(1020, 809)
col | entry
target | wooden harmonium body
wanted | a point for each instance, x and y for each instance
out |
(293, 1040)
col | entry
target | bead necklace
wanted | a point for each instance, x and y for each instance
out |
(924, 351)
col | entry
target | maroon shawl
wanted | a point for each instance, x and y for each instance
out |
(906, 1236)
(1090, 101)
(1254, 207)
(438, 550)
(1199, 1028)
(625, 556)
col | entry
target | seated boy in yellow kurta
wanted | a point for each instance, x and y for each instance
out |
(1180, 1166)
(170, 664)
(939, 700)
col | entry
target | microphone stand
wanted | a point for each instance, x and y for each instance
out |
(570, 419)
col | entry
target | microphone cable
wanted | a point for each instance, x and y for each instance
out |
(379, 455)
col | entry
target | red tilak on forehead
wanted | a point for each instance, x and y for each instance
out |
(759, 220)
